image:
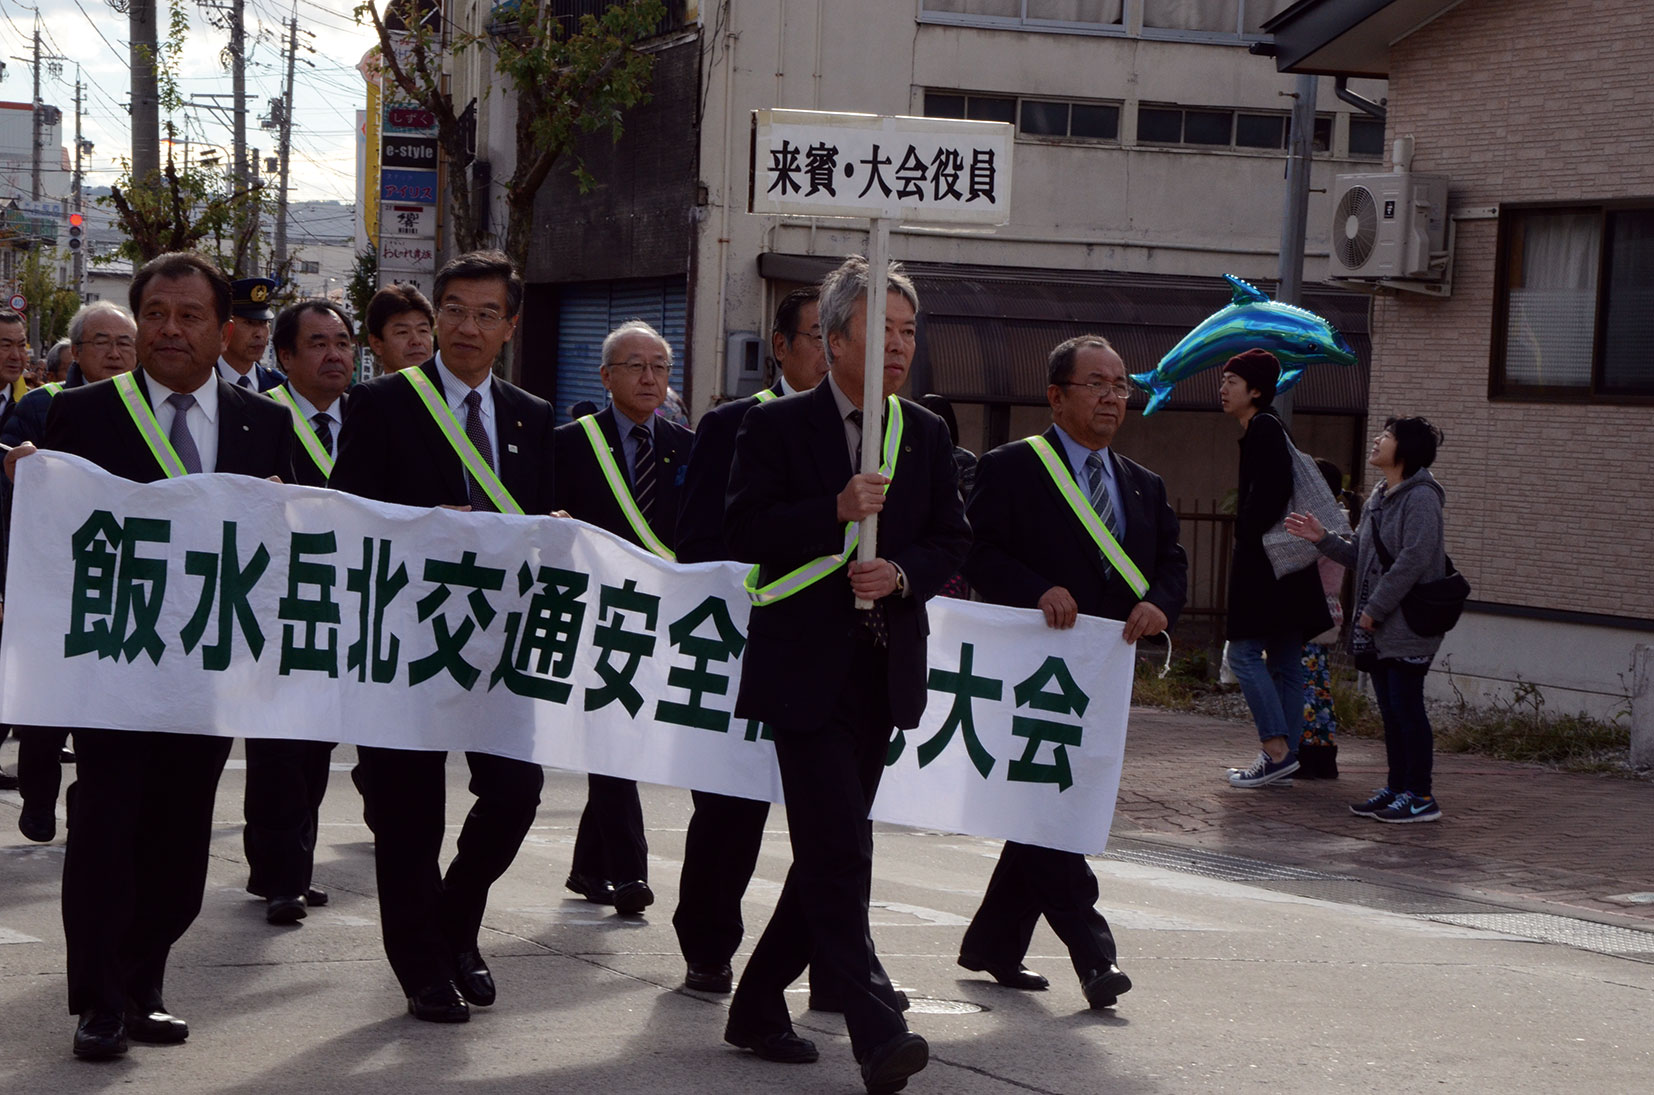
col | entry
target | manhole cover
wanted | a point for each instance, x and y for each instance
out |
(921, 1006)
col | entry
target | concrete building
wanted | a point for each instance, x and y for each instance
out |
(1536, 366)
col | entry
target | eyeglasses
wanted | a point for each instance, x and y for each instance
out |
(1119, 390)
(661, 369)
(103, 343)
(486, 319)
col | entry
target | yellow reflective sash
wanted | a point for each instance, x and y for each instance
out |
(149, 428)
(54, 386)
(622, 493)
(304, 431)
(1070, 490)
(817, 569)
(475, 466)
(765, 396)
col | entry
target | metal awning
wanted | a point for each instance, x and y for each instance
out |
(1347, 37)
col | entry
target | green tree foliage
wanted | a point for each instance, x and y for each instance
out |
(37, 281)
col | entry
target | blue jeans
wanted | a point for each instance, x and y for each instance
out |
(1408, 741)
(1273, 690)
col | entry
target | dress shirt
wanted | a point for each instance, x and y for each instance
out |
(202, 420)
(455, 390)
(628, 443)
(308, 409)
(227, 371)
(787, 389)
(1076, 454)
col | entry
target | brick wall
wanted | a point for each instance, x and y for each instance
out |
(1549, 505)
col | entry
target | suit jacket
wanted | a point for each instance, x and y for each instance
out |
(791, 462)
(1027, 539)
(701, 505)
(584, 493)
(28, 421)
(255, 434)
(392, 450)
(304, 468)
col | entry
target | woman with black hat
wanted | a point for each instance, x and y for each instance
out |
(1269, 617)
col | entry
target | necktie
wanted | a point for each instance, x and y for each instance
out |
(245, 382)
(324, 430)
(1100, 500)
(479, 438)
(643, 473)
(871, 624)
(182, 442)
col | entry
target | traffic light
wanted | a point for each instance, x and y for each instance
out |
(76, 222)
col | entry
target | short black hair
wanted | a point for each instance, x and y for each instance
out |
(9, 316)
(786, 313)
(482, 266)
(394, 300)
(942, 407)
(182, 264)
(1416, 442)
(1059, 367)
(284, 336)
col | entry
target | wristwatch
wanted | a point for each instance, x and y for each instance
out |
(901, 581)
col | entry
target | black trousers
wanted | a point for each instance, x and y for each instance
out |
(720, 853)
(1031, 882)
(829, 777)
(137, 864)
(427, 917)
(610, 843)
(39, 771)
(286, 781)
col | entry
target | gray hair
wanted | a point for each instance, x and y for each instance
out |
(55, 354)
(843, 287)
(632, 327)
(77, 325)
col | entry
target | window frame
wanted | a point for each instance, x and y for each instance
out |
(1498, 388)
(1016, 101)
(1235, 113)
(1131, 15)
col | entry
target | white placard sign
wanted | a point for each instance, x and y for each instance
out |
(396, 254)
(407, 222)
(236, 607)
(816, 164)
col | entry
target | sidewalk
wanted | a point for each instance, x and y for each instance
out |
(1509, 831)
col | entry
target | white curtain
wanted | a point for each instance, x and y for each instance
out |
(1105, 12)
(1219, 15)
(1550, 324)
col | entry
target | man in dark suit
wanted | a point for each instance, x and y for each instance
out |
(142, 820)
(14, 360)
(287, 778)
(1031, 550)
(102, 343)
(831, 681)
(611, 852)
(725, 833)
(240, 362)
(392, 449)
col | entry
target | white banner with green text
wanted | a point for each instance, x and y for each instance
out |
(231, 606)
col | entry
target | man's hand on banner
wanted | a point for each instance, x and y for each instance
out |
(1060, 608)
(1145, 619)
(16, 453)
(862, 497)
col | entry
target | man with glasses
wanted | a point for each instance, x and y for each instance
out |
(1032, 549)
(611, 853)
(394, 448)
(102, 343)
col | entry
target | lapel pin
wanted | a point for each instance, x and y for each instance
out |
(511, 448)
(519, 426)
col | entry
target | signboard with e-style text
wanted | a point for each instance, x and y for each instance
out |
(408, 152)
(816, 164)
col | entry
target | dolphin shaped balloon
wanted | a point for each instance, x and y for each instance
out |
(1295, 336)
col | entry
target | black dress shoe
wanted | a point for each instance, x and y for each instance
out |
(887, 1068)
(439, 1002)
(100, 1036)
(472, 976)
(631, 898)
(595, 890)
(825, 1000)
(709, 977)
(154, 1026)
(1013, 975)
(315, 897)
(1103, 988)
(284, 910)
(38, 823)
(781, 1045)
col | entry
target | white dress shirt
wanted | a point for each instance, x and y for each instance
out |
(455, 390)
(202, 420)
(1076, 454)
(335, 420)
(227, 371)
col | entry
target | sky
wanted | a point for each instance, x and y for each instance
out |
(93, 35)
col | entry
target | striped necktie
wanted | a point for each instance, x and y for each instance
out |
(479, 438)
(1098, 492)
(643, 472)
(324, 430)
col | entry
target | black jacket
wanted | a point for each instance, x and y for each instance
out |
(705, 486)
(1260, 605)
(585, 494)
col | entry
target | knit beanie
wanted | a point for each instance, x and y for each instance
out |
(1259, 368)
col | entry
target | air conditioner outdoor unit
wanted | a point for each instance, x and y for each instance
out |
(1392, 225)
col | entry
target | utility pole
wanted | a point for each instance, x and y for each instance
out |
(39, 140)
(1295, 211)
(284, 146)
(79, 255)
(240, 176)
(146, 95)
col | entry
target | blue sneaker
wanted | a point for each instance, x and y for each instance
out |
(1379, 800)
(1263, 772)
(1408, 807)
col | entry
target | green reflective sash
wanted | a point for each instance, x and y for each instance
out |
(475, 466)
(53, 387)
(149, 428)
(1070, 490)
(765, 396)
(304, 431)
(817, 569)
(622, 493)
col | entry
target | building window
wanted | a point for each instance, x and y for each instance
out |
(1575, 311)
(1211, 17)
(309, 267)
(1366, 138)
(1222, 128)
(1200, 19)
(1048, 118)
(1040, 14)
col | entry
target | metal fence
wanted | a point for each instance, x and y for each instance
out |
(1208, 538)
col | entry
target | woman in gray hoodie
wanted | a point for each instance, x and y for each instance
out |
(1402, 520)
